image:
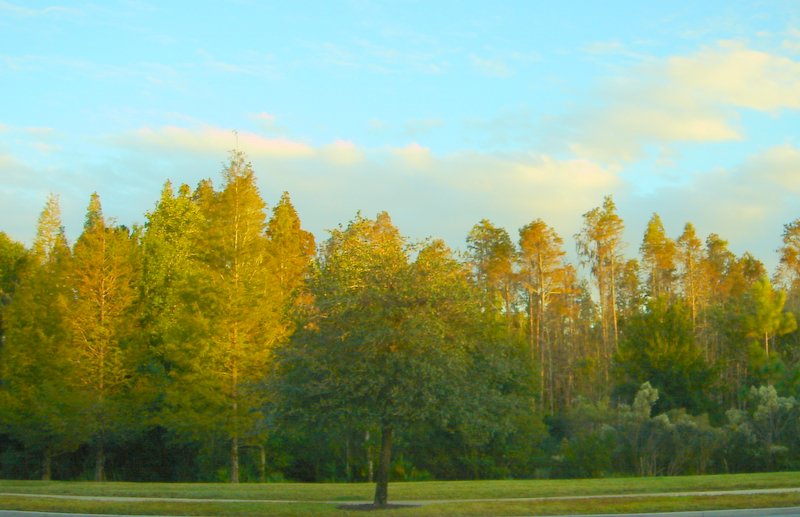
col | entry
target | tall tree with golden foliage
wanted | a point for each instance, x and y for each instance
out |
(689, 258)
(542, 269)
(492, 255)
(232, 318)
(599, 245)
(102, 280)
(658, 260)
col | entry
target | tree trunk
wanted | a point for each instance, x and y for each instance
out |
(370, 467)
(347, 468)
(100, 462)
(614, 306)
(382, 486)
(235, 459)
(47, 465)
(262, 475)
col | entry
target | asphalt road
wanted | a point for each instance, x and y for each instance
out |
(762, 512)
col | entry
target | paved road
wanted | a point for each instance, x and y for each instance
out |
(754, 491)
(771, 512)
(763, 512)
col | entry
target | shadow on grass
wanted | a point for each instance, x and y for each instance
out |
(369, 507)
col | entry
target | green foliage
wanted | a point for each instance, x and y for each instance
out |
(763, 319)
(39, 405)
(212, 265)
(218, 334)
(12, 260)
(491, 254)
(658, 347)
(102, 277)
(763, 436)
(391, 342)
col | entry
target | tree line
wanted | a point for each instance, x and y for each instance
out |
(218, 342)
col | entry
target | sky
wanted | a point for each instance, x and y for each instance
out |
(442, 113)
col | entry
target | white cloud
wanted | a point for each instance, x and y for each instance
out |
(747, 204)
(343, 153)
(730, 73)
(426, 193)
(213, 140)
(694, 98)
(414, 156)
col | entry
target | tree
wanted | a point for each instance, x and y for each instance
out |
(290, 249)
(764, 318)
(492, 254)
(541, 271)
(12, 259)
(230, 320)
(762, 432)
(599, 245)
(658, 259)
(102, 280)
(387, 340)
(789, 266)
(169, 258)
(689, 258)
(659, 348)
(40, 407)
(719, 262)
(630, 297)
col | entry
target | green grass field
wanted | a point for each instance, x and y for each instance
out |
(313, 499)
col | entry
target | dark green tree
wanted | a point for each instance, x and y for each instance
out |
(387, 341)
(659, 348)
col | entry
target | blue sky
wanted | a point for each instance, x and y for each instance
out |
(441, 112)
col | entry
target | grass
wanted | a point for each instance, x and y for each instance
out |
(313, 499)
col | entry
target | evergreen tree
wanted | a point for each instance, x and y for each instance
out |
(290, 250)
(659, 348)
(658, 259)
(689, 258)
(763, 320)
(599, 245)
(102, 280)
(39, 404)
(230, 322)
(492, 255)
(541, 268)
(12, 260)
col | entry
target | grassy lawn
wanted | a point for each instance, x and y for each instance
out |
(308, 498)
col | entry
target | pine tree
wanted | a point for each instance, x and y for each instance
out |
(13, 256)
(231, 321)
(690, 260)
(789, 267)
(290, 250)
(599, 244)
(492, 254)
(658, 259)
(39, 403)
(541, 268)
(764, 315)
(102, 279)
